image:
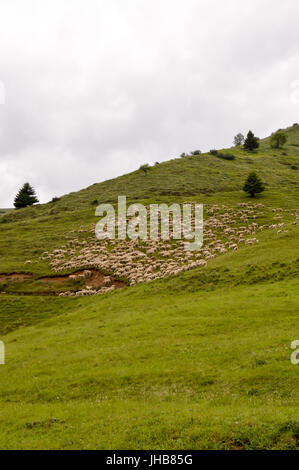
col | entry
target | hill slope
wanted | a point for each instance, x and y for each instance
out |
(196, 360)
(189, 176)
(206, 179)
(186, 362)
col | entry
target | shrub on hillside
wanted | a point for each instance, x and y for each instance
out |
(196, 152)
(214, 152)
(226, 156)
(55, 199)
(145, 168)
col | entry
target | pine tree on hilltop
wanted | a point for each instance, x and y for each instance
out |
(251, 142)
(25, 197)
(253, 185)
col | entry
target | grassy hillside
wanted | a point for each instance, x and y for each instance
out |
(200, 360)
(183, 177)
(4, 211)
(187, 362)
(205, 178)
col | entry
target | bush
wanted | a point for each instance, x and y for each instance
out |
(196, 152)
(95, 202)
(55, 199)
(145, 168)
(214, 152)
(226, 156)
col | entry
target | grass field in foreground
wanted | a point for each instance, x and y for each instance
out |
(196, 361)
(193, 361)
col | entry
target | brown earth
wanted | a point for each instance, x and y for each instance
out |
(96, 279)
(91, 278)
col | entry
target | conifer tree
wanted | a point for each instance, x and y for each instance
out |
(25, 197)
(251, 142)
(253, 185)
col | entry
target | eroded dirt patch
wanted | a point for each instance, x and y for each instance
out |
(54, 280)
(81, 282)
(90, 278)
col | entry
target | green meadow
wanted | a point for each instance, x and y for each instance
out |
(200, 360)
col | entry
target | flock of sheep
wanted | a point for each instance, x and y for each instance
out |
(225, 229)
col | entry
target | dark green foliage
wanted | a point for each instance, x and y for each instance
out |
(278, 139)
(226, 156)
(253, 185)
(95, 202)
(25, 197)
(196, 152)
(55, 199)
(251, 143)
(145, 168)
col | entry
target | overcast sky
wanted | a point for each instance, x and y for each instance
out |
(95, 88)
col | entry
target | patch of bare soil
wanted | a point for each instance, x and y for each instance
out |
(99, 280)
(92, 281)
(91, 277)
(54, 280)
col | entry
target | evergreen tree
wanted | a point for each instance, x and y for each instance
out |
(278, 139)
(253, 185)
(251, 142)
(25, 197)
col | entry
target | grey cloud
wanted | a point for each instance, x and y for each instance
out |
(96, 88)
